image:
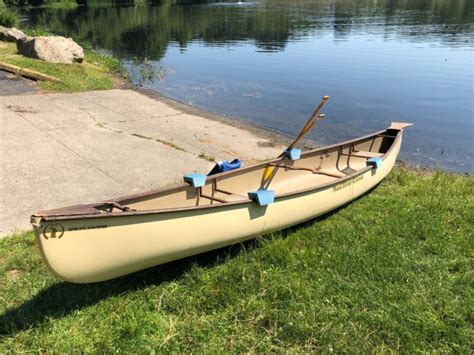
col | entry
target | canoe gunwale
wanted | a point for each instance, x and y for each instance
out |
(43, 216)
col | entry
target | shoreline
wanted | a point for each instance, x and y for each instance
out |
(118, 80)
(122, 140)
(276, 137)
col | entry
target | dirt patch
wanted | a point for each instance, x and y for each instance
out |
(13, 275)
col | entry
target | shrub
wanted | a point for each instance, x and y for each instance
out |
(36, 32)
(16, 2)
(7, 18)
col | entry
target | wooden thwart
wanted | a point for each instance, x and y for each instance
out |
(363, 154)
(314, 171)
(27, 73)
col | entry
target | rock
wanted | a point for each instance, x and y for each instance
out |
(53, 49)
(11, 34)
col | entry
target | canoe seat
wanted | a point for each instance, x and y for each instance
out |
(224, 196)
(336, 174)
(363, 154)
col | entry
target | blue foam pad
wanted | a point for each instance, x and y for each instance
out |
(197, 180)
(374, 162)
(262, 197)
(293, 153)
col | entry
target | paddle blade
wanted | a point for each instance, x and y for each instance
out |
(267, 173)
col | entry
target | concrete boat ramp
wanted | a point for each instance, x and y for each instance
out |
(69, 148)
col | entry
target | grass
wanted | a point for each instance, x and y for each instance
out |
(7, 18)
(392, 271)
(60, 4)
(207, 157)
(97, 72)
(37, 32)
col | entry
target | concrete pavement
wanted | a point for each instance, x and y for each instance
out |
(63, 149)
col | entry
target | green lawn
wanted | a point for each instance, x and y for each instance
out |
(97, 72)
(391, 271)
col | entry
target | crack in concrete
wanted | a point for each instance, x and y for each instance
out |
(90, 115)
(149, 118)
(100, 124)
(107, 108)
(202, 155)
(169, 144)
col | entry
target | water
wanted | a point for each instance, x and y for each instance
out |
(269, 62)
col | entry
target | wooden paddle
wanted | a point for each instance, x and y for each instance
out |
(269, 171)
(309, 128)
(309, 125)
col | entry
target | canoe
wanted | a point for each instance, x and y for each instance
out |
(100, 241)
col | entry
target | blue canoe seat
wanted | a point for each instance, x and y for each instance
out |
(293, 153)
(262, 197)
(374, 162)
(195, 179)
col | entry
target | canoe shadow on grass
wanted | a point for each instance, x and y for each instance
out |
(63, 298)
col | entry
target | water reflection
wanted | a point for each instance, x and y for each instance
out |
(268, 61)
(146, 31)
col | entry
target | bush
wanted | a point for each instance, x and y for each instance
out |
(107, 61)
(7, 18)
(37, 32)
(16, 2)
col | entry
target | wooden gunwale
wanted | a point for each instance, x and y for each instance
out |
(124, 199)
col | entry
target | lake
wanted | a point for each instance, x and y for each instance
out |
(269, 62)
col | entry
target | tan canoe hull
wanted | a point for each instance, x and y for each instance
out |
(96, 249)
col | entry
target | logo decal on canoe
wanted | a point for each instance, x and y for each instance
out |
(82, 228)
(347, 183)
(53, 230)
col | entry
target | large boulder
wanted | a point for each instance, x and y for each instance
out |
(53, 49)
(11, 34)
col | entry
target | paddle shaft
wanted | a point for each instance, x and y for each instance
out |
(269, 171)
(316, 111)
(309, 125)
(309, 128)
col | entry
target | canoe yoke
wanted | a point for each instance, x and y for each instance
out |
(262, 196)
(314, 171)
